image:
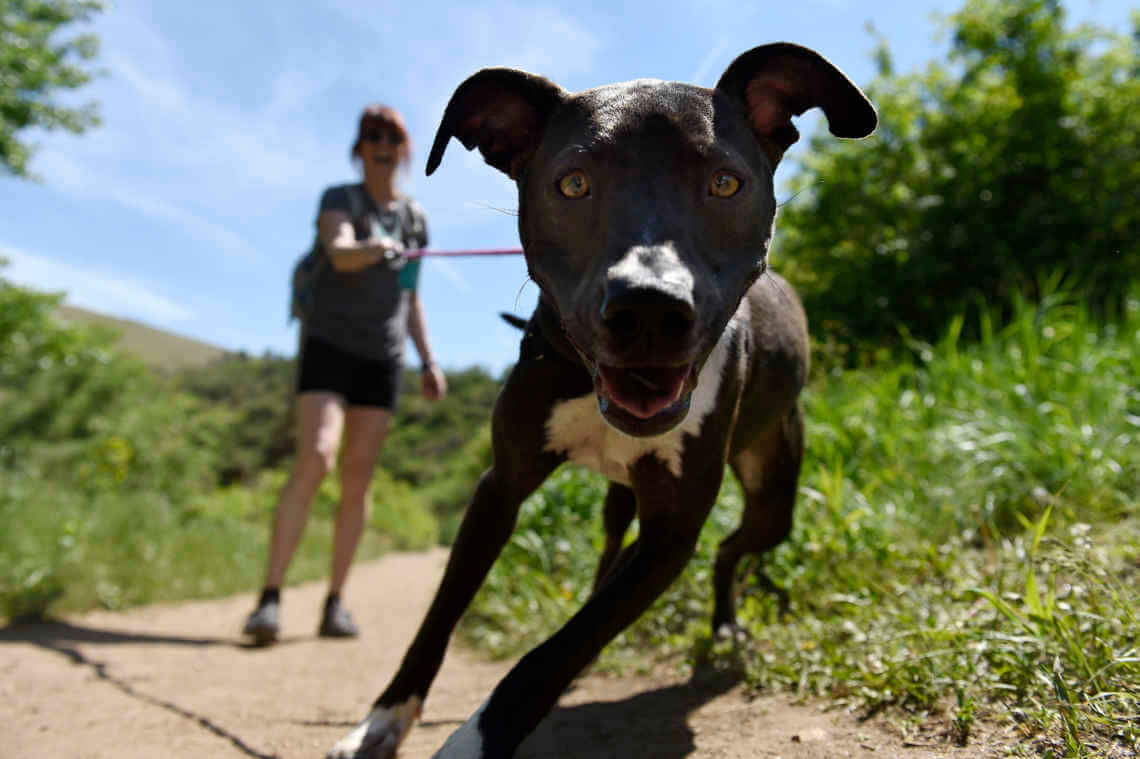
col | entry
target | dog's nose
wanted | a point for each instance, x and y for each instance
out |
(631, 312)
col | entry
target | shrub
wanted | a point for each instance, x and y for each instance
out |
(990, 173)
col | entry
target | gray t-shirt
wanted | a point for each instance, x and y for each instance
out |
(365, 312)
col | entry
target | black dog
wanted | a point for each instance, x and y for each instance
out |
(655, 355)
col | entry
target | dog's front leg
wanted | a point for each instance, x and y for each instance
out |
(520, 466)
(485, 529)
(672, 513)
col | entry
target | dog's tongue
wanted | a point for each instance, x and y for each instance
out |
(643, 392)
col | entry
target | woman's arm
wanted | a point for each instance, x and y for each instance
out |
(346, 252)
(433, 382)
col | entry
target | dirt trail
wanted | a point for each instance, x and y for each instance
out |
(174, 681)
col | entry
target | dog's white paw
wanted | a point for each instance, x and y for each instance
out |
(466, 742)
(380, 734)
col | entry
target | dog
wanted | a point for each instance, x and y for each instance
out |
(660, 349)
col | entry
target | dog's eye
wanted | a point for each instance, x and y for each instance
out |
(574, 185)
(724, 185)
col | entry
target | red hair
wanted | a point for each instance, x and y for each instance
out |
(384, 117)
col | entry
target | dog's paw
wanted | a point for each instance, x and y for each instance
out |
(466, 742)
(380, 734)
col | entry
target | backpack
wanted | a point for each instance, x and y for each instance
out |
(313, 263)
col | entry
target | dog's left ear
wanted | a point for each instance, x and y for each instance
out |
(781, 80)
(501, 111)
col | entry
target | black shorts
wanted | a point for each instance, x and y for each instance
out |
(360, 381)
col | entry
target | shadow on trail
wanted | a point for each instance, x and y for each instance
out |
(63, 637)
(654, 723)
(55, 635)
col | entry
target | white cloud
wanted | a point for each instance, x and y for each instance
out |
(161, 94)
(170, 148)
(89, 288)
(705, 67)
(532, 37)
(450, 272)
(72, 176)
(290, 91)
(227, 145)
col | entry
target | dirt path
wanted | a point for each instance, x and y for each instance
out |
(174, 681)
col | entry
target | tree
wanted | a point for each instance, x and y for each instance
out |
(1014, 162)
(34, 65)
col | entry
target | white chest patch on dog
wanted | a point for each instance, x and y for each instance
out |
(577, 428)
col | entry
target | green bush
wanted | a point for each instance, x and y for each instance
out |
(76, 408)
(426, 434)
(256, 394)
(432, 445)
(108, 479)
(400, 514)
(1011, 162)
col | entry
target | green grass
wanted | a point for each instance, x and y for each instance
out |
(967, 544)
(109, 491)
(67, 549)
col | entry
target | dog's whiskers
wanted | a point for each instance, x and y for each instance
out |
(797, 193)
(522, 287)
(489, 207)
(783, 292)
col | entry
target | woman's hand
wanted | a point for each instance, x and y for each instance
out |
(433, 382)
(345, 251)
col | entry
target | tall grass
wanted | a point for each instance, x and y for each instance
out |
(108, 487)
(67, 548)
(967, 542)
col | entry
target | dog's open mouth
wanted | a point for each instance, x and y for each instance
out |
(642, 401)
(657, 393)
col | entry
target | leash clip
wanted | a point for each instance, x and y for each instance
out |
(394, 255)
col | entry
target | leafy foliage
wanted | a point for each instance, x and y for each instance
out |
(109, 479)
(256, 392)
(34, 65)
(438, 448)
(1013, 161)
(425, 433)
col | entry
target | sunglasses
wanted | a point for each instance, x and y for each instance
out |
(380, 135)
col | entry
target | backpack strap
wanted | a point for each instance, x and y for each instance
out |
(355, 195)
(408, 212)
(411, 223)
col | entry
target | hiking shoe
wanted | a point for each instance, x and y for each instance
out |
(262, 624)
(337, 622)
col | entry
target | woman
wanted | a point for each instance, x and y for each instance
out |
(364, 307)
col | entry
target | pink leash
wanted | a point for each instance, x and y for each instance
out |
(423, 252)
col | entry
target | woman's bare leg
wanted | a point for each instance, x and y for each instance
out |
(365, 430)
(320, 422)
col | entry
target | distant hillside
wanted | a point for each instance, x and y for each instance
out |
(158, 348)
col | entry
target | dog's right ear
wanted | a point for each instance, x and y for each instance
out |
(501, 111)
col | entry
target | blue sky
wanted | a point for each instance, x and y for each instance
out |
(222, 122)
